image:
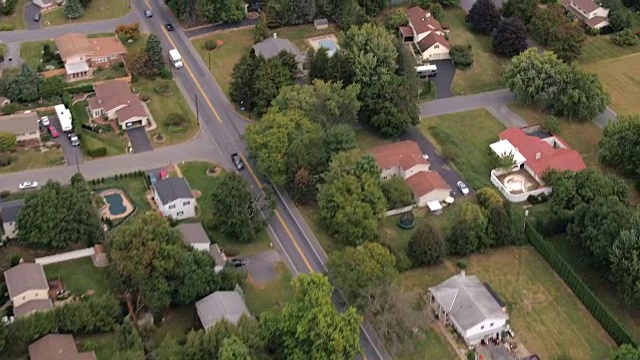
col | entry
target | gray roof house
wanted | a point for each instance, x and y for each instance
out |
(9, 214)
(271, 47)
(174, 198)
(228, 305)
(28, 288)
(195, 236)
(470, 306)
(24, 126)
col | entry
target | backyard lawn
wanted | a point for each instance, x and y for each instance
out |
(33, 159)
(621, 78)
(135, 187)
(96, 10)
(486, 72)
(15, 21)
(31, 52)
(544, 314)
(601, 47)
(464, 138)
(80, 275)
(177, 322)
(366, 139)
(260, 298)
(105, 345)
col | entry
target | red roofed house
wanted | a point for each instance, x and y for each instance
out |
(588, 12)
(426, 33)
(115, 100)
(404, 159)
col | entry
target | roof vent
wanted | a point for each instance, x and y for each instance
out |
(538, 156)
(99, 101)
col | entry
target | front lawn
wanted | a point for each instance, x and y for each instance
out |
(115, 143)
(15, 21)
(31, 52)
(601, 47)
(620, 78)
(260, 298)
(544, 314)
(80, 276)
(464, 138)
(486, 72)
(95, 11)
(34, 159)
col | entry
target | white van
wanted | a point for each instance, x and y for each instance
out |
(426, 71)
(176, 59)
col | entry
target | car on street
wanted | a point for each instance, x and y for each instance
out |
(44, 121)
(53, 131)
(36, 16)
(28, 185)
(168, 26)
(148, 13)
(237, 161)
(238, 262)
(74, 139)
(463, 188)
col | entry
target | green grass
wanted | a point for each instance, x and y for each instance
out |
(621, 78)
(545, 315)
(33, 159)
(114, 143)
(177, 323)
(486, 72)
(95, 11)
(260, 298)
(31, 52)
(428, 90)
(105, 345)
(80, 275)
(365, 139)
(601, 47)
(3, 49)
(464, 138)
(16, 21)
(135, 188)
(429, 345)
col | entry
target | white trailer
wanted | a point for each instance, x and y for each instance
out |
(426, 70)
(64, 115)
(175, 57)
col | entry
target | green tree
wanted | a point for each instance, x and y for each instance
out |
(567, 42)
(309, 326)
(301, 11)
(193, 278)
(396, 18)
(337, 139)
(372, 7)
(358, 271)
(619, 139)
(469, 234)
(449, 3)
(461, 55)
(73, 9)
(572, 189)
(233, 349)
(502, 229)
(154, 55)
(437, 11)
(426, 245)
(8, 141)
(625, 262)
(483, 16)
(272, 76)
(183, 9)
(625, 38)
(243, 77)
(489, 197)
(223, 11)
(620, 19)
(546, 22)
(128, 337)
(397, 193)
(523, 9)
(319, 64)
(52, 88)
(581, 94)
(261, 31)
(625, 351)
(510, 39)
(532, 76)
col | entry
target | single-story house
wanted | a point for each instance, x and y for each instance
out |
(405, 160)
(24, 126)
(174, 198)
(228, 305)
(28, 289)
(9, 214)
(271, 47)
(81, 55)
(45, 5)
(115, 100)
(195, 236)
(58, 347)
(588, 12)
(473, 308)
(426, 33)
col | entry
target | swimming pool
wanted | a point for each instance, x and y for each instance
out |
(330, 45)
(116, 204)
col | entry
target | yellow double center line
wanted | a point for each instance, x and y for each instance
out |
(248, 166)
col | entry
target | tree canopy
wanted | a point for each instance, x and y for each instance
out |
(618, 143)
(397, 193)
(510, 39)
(469, 234)
(223, 11)
(624, 258)
(155, 55)
(523, 9)
(483, 16)
(73, 9)
(426, 245)
(625, 351)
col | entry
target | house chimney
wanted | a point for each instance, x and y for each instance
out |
(275, 35)
(462, 273)
(538, 156)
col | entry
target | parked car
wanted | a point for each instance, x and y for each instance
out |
(463, 188)
(53, 131)
(168, 26)
(237, 161)
(74, 139)
(44, 121)
(36, 16)
(148, 13)
(238, 262)
(28, 185)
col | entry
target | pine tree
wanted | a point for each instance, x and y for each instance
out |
(73, 9)
(154, 55)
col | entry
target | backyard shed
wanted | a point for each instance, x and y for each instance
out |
(320, 24)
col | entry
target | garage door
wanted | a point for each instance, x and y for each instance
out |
(439, 56)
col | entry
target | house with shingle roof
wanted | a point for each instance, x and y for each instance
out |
(9, 213)
(426, 33)
(227, 305)
(271, 47)
(24, 126)
(115, 100)
(58, 347)
(28, 289)
(588, 12)
(174, 198)
(81, 55)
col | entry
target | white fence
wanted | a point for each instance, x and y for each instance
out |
(71, 255)
(399, 211)
(515, 198)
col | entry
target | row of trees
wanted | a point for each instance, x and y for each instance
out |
(148, 62)
(215, 11)
(544, 79)
(345, 13)
(28, 86)
(619, 139)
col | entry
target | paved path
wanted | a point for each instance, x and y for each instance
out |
(13, 53)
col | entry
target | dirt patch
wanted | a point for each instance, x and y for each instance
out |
(196, 193)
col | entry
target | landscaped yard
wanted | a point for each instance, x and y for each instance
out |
(135, 187)
(464, 138)
(266, 297)
(33, 159)
(95, 11)
(31, 52)
(544, 314)
(177, 322)
(621, 78)
(15, 21)
(115, 143)
(105, 345)
(486, 71)
(80, 275)
(237, 42)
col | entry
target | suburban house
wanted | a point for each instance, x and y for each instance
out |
(534, 150)
(195, 236)
(82, 55)
(114, 100)
(271, 47)
(588, 12)
(58, 347)
(174, 198)
(9, 214)
(405, 160)
(426, 33)
(228, 305)
(28, 289)
(471, 307)
(24, 126)
(45, 5)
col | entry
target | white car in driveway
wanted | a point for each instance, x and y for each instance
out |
(44, 121)
(28, 185)
(463, 188)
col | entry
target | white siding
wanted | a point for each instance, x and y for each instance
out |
(437, 194)
(177, 210)
(39, 294)
(433, 53)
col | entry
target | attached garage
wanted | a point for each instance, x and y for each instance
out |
(428, 186)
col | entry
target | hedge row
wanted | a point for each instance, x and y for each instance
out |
(87, 88)
(616, 330)
(97, 152)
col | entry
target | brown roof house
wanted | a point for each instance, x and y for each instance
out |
(28, 289)
(426, 33)
(58, 347)
(24, 126)
(115, 100)
(405, 160)
(82, 55)
(588, 12)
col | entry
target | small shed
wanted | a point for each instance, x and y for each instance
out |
(320, 24)
(434, 206)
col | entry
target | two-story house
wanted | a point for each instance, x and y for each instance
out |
(588, 12)
(28, 289)
(174, 198)
(82, 55)
(426, 33)
(114, 100)
(23, 126)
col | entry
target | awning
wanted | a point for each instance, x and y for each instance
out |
(434, 205)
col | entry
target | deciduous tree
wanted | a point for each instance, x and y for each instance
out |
(625, 351)
(437, 11)
(581, 94)
(483, 16)
(461, 56)
(625, 38)
(183, 9)
(532, 76)
(510, 39)
(469, 234)
(619, 139)
(546, 22)
(261, 31)
(301, 11)
(397, 193)
(625, 263)
(233, 349)
(449, 3)
(319, 64)
(620, 19)
(243, 77)
(396, 18)
(426, 246)
(567, 42)
(224, 11)
(52, 88)
(489, 197)
(372, 7)
(337, 139)
(73, 9)
(524, 9)
(270, 77)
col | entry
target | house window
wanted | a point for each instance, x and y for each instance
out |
(172, 207)
(491, 325)
(186, 203)
(481, 327)
(111, 57)
(436, 47)
(180, 213)
(101, 60)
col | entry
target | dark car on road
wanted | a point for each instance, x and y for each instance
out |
(169, 27)
(238, 262)
(237, 161)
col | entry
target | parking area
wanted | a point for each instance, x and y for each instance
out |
(444, 79)
(262, 267)
(72, 154)
(30, 10)
(139, 140)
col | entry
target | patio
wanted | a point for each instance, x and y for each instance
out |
(518, 182)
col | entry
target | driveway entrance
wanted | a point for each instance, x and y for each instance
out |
(444, 79)
(139, 140)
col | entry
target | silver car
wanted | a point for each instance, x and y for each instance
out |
(463, 188)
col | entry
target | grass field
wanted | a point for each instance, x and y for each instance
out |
(80, 275)
(486, 72)
(34, 159)
(464, 139)
(621, 78)
(600, 48)
(31, 52)
(237, 42)
(271, 295)
(114, 143)
(95, 11)
(543, 312)
(15, 21)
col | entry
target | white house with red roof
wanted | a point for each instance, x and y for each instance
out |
(588, 12)
(426, 33)
(405, 160)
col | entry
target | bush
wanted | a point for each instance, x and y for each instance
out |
(163, 89)
(97, 152)
(15, 259)
(537, 199)
(4, 194)
(551, 123)
(9, 7)
(175, 120)
(625, 38)
(462, 263)
(117, 66)
(87, 88)
(210, 45)
(46, 137)
(6, 27)
(461, 56)
(426, 246)
(144, 97)
(10, 109)
(6, 159)
(165, 73)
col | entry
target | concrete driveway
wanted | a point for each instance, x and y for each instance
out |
(12, 59)
(30, 11)
(444, 79)
(262, 267)
(139, 140)
(72, 154)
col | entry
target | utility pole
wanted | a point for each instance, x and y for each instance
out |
(197, 112)
(209, 59)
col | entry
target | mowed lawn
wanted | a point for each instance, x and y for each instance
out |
(464, 138)
(34, 159)
(486, 72)
(621, 78)
(544, 314)
(96, 10)
(16, 21)
(80, 276)
(260, 298)
(31, 52)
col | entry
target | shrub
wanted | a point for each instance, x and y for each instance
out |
(461, 56)
(175, 120)
(462, 263)
(46, 137)
(6, 159)
(117, 66)
(625, 38)
(15, 259)
(210, 45)
(97, 152)
(551, 123)
(6, 27)
(144, 97)
(594, 32)
(163, 89)
(426, 246)
(10, 108)
(4, 194)
(87, 88)
(9, 8)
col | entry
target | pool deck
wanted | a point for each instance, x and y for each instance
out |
(314, 42)
(104, 210)
(528, 181)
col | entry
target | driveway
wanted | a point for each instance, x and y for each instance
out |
(139, 140)
(29, 12)
(12, 57)
(444, 79)
(262, 267)
(72, 154)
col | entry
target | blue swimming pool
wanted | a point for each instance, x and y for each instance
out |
(330, 45)
(116, 204)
